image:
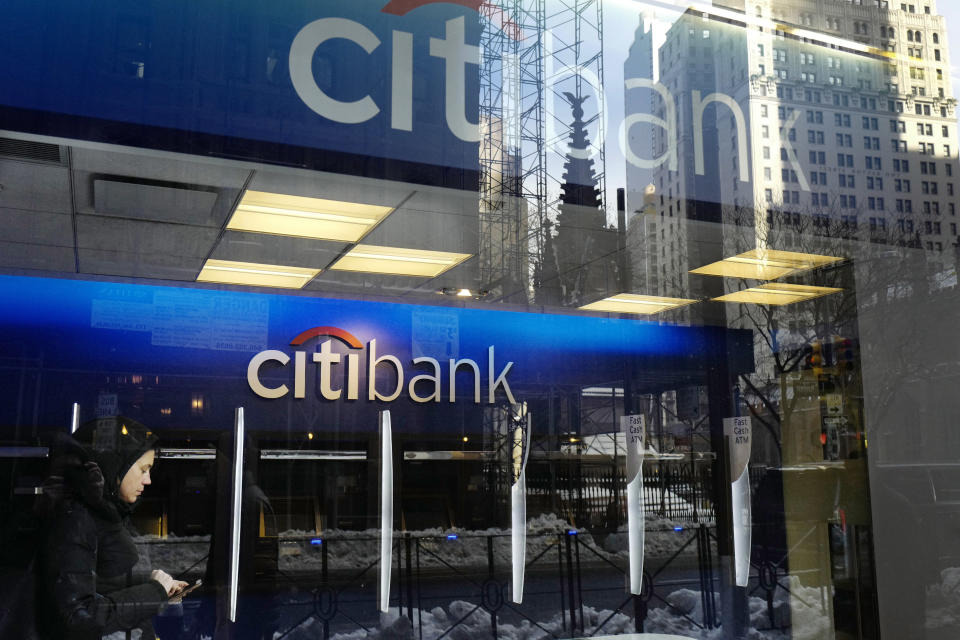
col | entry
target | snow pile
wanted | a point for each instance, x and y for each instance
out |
(136, 634)
(943, 601)
(174, 554)
(355, 550)
(808, 621)
(949, 587)
(438, 620)
(662, 538)
(360, 549)
(671, 620)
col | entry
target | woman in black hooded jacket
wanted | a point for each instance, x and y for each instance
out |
(86, 583)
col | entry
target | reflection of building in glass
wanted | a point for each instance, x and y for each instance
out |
(586, 250)
(639, 64)
(639, 190)
(851, 139)
(823, 120)
(533, 55)
(825, 123)
(679, 194)
(852, 125)
(643, 224)
(839, 137)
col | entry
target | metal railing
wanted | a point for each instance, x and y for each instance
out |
(593, 495)
(575, 586)
(459, 584)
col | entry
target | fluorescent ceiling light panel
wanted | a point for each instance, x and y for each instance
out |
(777, 294)
(768, 264)
(257, 275)
(633, 303)
(398, 261)
(285, 215)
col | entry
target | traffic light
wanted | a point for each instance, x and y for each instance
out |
(815, 359)
(845, 356)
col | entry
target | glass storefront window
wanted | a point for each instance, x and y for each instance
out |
(527, 319)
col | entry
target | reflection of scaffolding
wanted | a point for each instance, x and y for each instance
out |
(502, 439)
(573, 63)
(502, 206)
(531, 54)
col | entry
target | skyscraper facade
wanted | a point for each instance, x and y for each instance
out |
(856, 129)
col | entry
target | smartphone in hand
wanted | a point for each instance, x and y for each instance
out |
(180, 594)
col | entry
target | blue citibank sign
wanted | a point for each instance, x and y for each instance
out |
(268, 352)
(367, 79)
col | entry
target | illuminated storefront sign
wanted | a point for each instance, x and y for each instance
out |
(236, 347)
(399, 81)
(361, 78)
(326, 360)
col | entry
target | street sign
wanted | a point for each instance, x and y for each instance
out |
(107, 405)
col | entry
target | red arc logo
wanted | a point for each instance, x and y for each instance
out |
(345, 337)
(493, 12)
(403, 7)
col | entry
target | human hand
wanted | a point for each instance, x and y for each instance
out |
(167, 582)
(177, 596)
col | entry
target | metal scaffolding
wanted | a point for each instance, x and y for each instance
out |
(511, 146)
(573, 63)
(531, 54)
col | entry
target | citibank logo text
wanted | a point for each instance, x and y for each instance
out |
(461, 58)
(427, 386)
(452, 48)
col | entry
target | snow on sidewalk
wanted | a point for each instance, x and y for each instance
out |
(808, 622)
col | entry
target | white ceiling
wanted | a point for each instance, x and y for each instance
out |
(119, 212)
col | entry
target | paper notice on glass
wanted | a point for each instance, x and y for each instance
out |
(634, 434)
(107, 405)
(738, 430)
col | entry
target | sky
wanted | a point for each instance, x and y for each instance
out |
(950, 9)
